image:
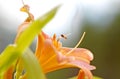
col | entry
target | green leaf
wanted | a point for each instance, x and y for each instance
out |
(7, 57)
(34, 71)
(12, 52)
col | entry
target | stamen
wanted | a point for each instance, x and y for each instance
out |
(54, 37)
(77, 44)
(68, 52)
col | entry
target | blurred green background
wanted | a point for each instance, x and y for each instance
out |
(101, 22)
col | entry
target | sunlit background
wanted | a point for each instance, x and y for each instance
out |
(100, 19)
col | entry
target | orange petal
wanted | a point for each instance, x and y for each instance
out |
(73, 61)
(88, 73)
(47, 55)
(81, 53)
(81, 75)
(9, 73)
(40, 43)
(21, 28)
(45, 35)
(81, 64)
(44, 46)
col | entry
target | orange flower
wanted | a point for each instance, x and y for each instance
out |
(52, 56)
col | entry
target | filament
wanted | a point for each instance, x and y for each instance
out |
(77, 44)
